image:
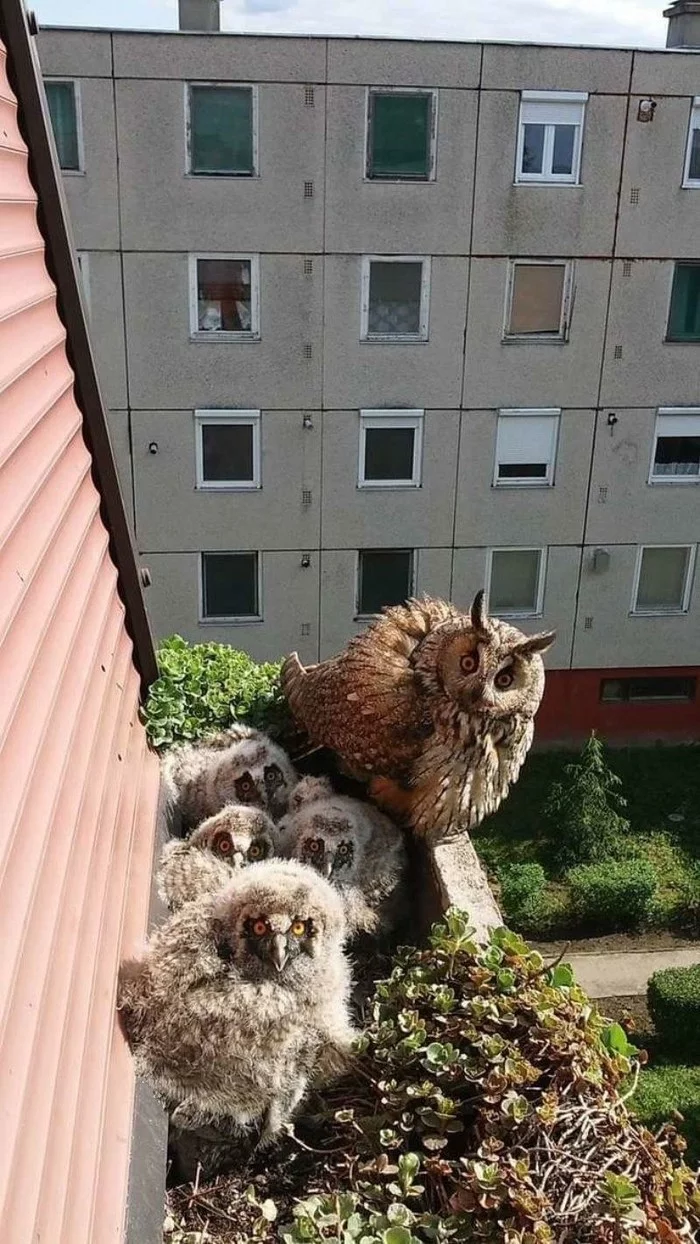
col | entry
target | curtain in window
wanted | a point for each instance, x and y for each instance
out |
(536, 304)
(221, 121)
(662, 578)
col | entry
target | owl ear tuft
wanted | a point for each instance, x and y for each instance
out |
(535, 643)
(479, 613)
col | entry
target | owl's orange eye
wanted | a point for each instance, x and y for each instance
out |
(299, 928)
(260, 928)
(315, 845)
(255, 851)
(504, 679)
(469, 663)
(223, 844)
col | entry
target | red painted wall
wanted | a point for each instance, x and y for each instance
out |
(572, 708)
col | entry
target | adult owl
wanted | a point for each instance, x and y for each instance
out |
(205, 862)
(239, 765)
(435, 706)
(241, 999)
(359, 850)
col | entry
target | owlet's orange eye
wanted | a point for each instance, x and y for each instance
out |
(469, 663)
(254, 851)
(504, 679)
(224, 845)
(315, 845)
(260, 928)
(299, 928)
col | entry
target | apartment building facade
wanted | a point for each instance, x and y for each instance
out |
(377, 317)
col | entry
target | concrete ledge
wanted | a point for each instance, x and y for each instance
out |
(458, 879)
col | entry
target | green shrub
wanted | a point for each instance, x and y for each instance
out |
(614, 895)
(673, 996)
(529, 903)
(666, 1087)
(206, 687)
(584, 810)
(520, 884)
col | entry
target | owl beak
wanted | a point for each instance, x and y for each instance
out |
(238, 859)
(327, 868)
(487, 699)
(278, 951)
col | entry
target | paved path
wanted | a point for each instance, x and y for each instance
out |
(610, 975)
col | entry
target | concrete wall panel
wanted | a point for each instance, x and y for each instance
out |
(663, 219)
(531, 67)
(106, 322)
(379, 62)
(93, 198)
(225, 58)
(75, 53)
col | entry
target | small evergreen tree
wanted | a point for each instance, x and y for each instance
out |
(584, 810)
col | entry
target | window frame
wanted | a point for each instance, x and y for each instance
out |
(197, 334)
(391, 418)
(234, 620)
(541, 578)
(667, 339)
(567, 300)
(413, 575)
(549, 178)
(687, 586)
(423, 333)
(208, 418)
(648, 699)
(246, 86)
(80, 138)
(552, 413)
(432, 92)
(674, 480)
(691, 183)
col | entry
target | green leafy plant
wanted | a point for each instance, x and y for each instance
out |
(584, 810)
(614, 895)
(673, 997)
(527, 899)
(206, 687)
(667, 1089)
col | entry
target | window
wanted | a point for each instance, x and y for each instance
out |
(676, 455)
(515, 582)
(550, 136)
(229, 587)
(63, 99)
(395, 299)
(684, 314)
(227, 448)
(391, 443)
(526, 448)
(401, 129)
(222, 130)
(537, 299)
(224, 299)
(384, 577)
(663, 578)
(691, 176)
(635, 690)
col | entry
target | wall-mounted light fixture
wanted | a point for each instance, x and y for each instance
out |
(646, 110)
(307, 422)
(153, 447)
(305, 561)
(600, 561)
(612, 421)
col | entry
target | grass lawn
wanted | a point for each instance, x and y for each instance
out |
(665, 1087)
(662, 788)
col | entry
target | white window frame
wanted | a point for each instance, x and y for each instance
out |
(687, 586)
(567, 300)
(541, 578)
(424, 321)
(209, 418)
(197, 334)
(83, 261)
(391, 419)
(432, 153)
(691, 183)
(553, 413)
(360, 617)
(551, 98)
(208, 619)
(77, 95)
(674, 480)
(246, 86)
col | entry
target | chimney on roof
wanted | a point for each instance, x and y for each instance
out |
(199, 15)
(683, 24)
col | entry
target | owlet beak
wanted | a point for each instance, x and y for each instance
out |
(238, 859)
(278, 951)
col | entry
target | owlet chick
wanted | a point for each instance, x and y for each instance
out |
(240, 765)
(358, 849)
(205, 862)
(435, 705)
(241, 998)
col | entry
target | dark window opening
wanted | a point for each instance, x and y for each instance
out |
(60, 97)
(227, 452)
(385, 578)
(677, 455)
(399, 136)
(522, 470)
(230, 585)
(684, 314)
(635, 690)
(221, 130)
(389, 453)
(224, 298)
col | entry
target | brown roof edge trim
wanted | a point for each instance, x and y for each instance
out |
(27, 83)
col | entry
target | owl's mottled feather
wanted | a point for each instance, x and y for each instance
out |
(433, 704)
(205, 862)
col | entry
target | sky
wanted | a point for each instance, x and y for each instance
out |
(617, 22)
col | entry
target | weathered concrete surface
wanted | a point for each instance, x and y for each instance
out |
(610, 975)
(462, 882)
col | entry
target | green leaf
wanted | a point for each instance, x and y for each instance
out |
(562, 976)
(396, 1235)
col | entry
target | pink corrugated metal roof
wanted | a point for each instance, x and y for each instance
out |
(79, 785)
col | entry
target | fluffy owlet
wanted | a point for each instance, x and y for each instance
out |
(240, 765)
(351, 843)
(205, 862)
(436, 706)
(241, 999)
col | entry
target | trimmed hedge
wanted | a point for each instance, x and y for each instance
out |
(673, 997)
(615, 895)
(530, 903)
